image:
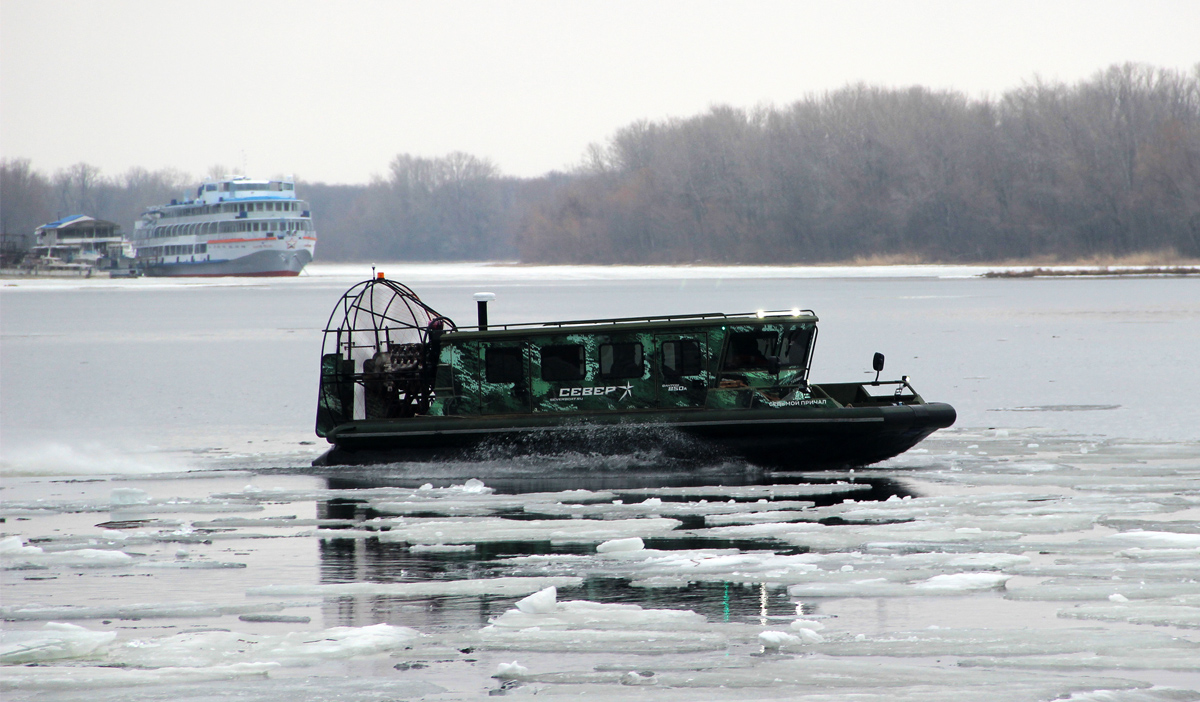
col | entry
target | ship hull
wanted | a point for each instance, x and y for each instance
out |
(260, 263)
(796, 440)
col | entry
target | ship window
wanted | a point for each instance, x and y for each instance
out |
(621, 361)
(749, 350)
(563, 362)
(794, 349)
(503, 364)
(681, 358)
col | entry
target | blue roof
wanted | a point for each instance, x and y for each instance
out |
(62, 222)
(72, 220)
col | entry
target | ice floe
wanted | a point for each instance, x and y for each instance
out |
(541, 623)
(54, 641)
(1066, 589)
(944, 584)
(671, 568)
(297, 648)
(1162, 612)
(627, 545)
(749, 492)
(16, 556)
(442, 588)
(161, 610)
(490, 529)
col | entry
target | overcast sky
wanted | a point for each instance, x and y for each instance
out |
(331, 91)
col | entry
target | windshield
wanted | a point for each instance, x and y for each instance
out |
(749, 350)
(793, 352)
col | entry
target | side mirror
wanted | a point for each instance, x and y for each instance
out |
(877, 365)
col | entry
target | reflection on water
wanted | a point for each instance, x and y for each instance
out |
(357, 560)
(372, 560)
(506, 481)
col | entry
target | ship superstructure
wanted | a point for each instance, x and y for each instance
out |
(236, 226)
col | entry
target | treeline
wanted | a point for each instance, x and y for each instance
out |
(1107, 166)
(29, 198)
(456, 207)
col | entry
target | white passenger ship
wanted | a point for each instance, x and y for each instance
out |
(235, 226)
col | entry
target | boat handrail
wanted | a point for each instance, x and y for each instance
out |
(762, 314)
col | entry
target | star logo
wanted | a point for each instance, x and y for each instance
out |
(628, 388)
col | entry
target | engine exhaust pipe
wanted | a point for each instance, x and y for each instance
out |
(481, 300)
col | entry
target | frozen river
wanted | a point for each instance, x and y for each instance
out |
(164, 537)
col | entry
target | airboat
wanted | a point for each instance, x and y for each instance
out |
(400, 382)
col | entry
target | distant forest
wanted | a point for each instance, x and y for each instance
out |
(1109, 166)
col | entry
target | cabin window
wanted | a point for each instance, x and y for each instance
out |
(503, 364)
(794, 349)
(749, 350)
(621, 361)
(681, 358)
(563, 362)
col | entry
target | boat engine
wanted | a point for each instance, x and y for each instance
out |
(379, 356)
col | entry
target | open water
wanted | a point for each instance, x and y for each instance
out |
(165, 537)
